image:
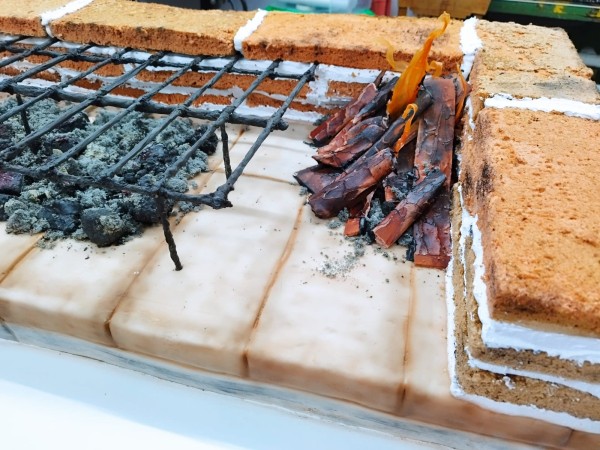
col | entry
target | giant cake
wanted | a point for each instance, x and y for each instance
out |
(384, 344)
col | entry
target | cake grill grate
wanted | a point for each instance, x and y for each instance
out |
(28, 94)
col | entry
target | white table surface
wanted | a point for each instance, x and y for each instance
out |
(52, 400)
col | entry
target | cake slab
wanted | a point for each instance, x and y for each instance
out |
(252, 312)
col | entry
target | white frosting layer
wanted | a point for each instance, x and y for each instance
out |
(455, 388)
(590, 388)
(567, 107)
(69, 8)
(250, 27)
(558, 418)
(469, 44)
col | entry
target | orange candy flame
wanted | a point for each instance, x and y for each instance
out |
(407, 86)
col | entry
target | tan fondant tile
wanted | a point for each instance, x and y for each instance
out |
(281, 155)
(341, 337)
(202, 316)
(427, 397)
(14, 247)
(583, 441)
(6, 332)
(74, 288)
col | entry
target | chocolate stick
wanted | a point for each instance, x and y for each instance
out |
(335, 123)
(315, 178)
(359, 139)
(394, 132)
(408, 210)
(434, 150)
(378, 103)
(350, 187)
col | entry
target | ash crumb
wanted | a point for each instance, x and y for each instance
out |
(303, 191)
(335, 223)
(334, 267)
(343, 215)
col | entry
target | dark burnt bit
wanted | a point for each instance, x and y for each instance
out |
(467, 182)
(11, 183)
(484, 183)
(103, 226)
(3, 199)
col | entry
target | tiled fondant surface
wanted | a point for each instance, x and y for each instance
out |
(74, 288)
(14, 248)
(343, 337)
(427, 395)
(202, 316)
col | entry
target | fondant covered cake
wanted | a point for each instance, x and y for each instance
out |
(274, 305)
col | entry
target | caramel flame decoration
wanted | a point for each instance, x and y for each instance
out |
(409, 114)
(407, 86)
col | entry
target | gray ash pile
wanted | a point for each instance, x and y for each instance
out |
(102, 216)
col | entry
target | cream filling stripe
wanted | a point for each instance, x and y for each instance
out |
(49, 16)
(251, 26)
(544, 104)
(558, 418)
(590, 388)
(469, 44)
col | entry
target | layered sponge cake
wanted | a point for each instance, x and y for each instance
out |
(527, 266)
(523, 289)
(512, 355)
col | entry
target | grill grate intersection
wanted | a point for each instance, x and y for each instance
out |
(134, 62)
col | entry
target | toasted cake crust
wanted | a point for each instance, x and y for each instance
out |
(153, 27)
(504, 65)
(23, 17)
(535, 193)
(350, 40)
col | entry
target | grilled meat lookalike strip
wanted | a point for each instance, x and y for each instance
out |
(315, 178)
(435, 142)
(408, 210)
(351, 187)
(333, 125)
(358, 140)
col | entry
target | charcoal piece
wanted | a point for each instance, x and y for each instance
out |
(103, 226)
(66, 223)
(434, 150)
(78, 121)
(210, 145)
(11, 183)
(379, 102)
(7, 134)
(144, 210)
(3, 199)
(62, 142)
(66, 206)
(359, 139)
(333, 125)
